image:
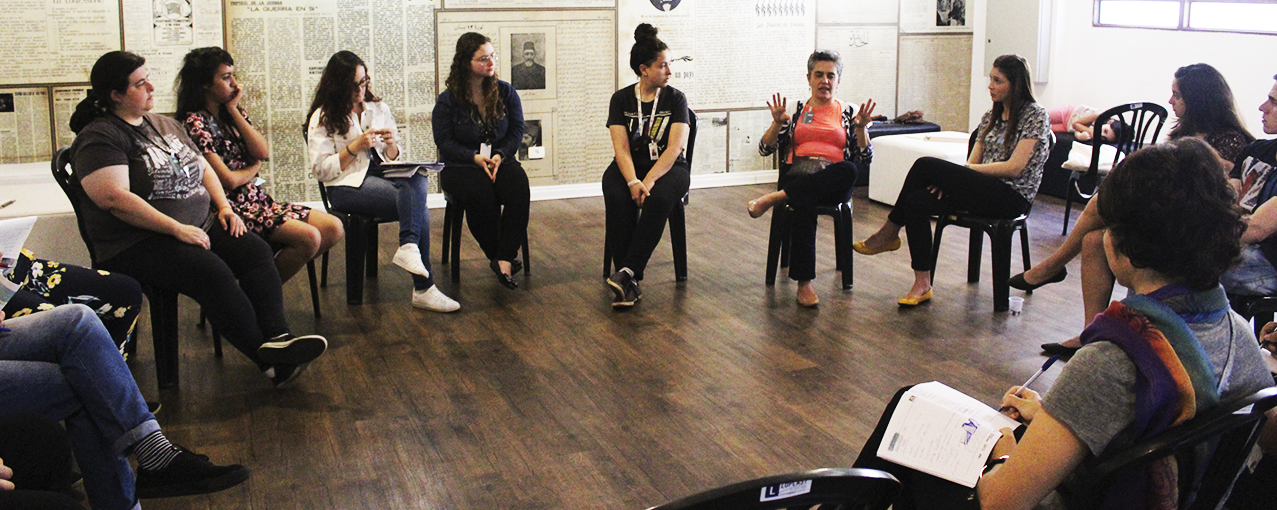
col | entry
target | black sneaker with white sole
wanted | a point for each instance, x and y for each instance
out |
(625, 290)
(287, 349)
(187, 474)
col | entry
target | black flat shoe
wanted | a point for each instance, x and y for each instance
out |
(516, 266)
(506, 280)
(1018, 281)
(1060, 349)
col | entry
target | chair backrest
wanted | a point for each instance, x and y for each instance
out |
(1210, 449)
(62, 173)
(1139, 125)
(861, 489)
(691, 137)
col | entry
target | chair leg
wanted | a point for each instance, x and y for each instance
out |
(935, 246)
(217, 337)
(607, 257)
(314, 289)
(447, 233)
(1068, 205)
(164, 336)
(778, 235)
(323, 279)
(975, 250)
(678, 240)
(355, 239)
(1024, 246)
(527, 264)
(457, 219)
(843, 238)
(371, 248)
(1000, 245)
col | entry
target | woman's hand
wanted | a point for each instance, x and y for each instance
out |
(778, 106)
(864, 116)
(1021, 408)
(231, 222)
(5, 473)
(192, 235)
(232, 105)
(1005, 445)
(364, 141)
(488, 165)
(639, 191)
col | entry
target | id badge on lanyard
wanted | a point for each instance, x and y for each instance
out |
(653, 151)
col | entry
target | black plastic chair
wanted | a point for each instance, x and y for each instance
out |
(453, 216)
(1210, 449)
(163, 301)
(677, 221)
(1000, 232)
(778, 240)
(361, 248)
(854, 488)
(1140, 123)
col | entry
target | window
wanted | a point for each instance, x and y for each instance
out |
(1252, 16)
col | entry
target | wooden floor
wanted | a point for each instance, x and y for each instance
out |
(544, 398)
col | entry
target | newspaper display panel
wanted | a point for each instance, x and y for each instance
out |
(24, 125)
(56, 41)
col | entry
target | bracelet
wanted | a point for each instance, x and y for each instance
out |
(633, 182)
(349, 152)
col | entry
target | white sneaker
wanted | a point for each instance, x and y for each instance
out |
(434, 300)
(408, 256)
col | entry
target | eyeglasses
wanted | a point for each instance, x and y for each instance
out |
(364, 82)
(487, 58)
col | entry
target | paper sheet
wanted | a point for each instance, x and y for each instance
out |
(941, 431)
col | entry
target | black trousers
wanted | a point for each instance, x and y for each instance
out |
(498, 210)
(235, 281)
(634, 233)
(36, 448)
(918, 490)
(831, 185)
(963, 189)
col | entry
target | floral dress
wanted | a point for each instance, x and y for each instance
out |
(44, 284)
(261, 213)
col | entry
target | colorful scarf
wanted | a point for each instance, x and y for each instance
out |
(1174, 377)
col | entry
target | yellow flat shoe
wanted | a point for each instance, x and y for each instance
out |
(912, 301)
(860, 247)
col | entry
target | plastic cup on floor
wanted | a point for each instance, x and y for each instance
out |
(1016, 305)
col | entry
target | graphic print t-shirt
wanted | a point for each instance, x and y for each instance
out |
(165, 169)
(624, 110)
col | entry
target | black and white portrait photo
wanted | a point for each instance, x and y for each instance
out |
(531, 140)
(951, 13)
(527, 61)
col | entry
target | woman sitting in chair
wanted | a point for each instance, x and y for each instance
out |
(1000, 178)
(649, 173)
(820, 154)
(208, 99)
(478, 126)
(150, 216)
(1147, 363)
(1204, 107)
(350, 133)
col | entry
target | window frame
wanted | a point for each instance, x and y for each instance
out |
(1185, 16)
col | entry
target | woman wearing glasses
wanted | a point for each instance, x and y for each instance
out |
(350, 133)
(478, 127)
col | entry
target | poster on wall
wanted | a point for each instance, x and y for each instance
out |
(747, 127)
(55, 41)
(928, 16)
(564, 83)
(857, 11)
(869, 63)
(281, 48)
(24, 125)
(710, 155)
(719, 62)
(163, 31)
(935, 77)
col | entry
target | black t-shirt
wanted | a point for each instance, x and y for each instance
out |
(165, 169)
(1256, 167)
(671, 108)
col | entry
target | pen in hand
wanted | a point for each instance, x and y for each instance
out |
(1049, 361)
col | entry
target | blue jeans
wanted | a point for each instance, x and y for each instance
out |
(391, 199)
(62, 363)
(1253, 275)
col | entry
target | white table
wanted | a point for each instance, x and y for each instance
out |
(895, 154)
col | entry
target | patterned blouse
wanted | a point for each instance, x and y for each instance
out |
(1035, 124)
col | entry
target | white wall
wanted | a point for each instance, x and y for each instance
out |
(1104, 66)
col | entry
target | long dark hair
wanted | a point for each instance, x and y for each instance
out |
(198, 69)
(458, 83)
(1016, 69)
(646, 47)
(1168, 208)
(1209, 107)
(110, 74)
(336, 88)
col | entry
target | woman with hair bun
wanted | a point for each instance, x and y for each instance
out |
(208, 97)
(648, 122)
(478, 127)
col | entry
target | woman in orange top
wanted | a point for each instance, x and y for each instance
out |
(822, 145)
